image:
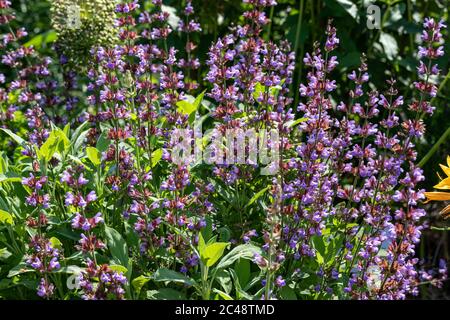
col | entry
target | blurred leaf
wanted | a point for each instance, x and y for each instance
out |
(6, 217)
(185, 107)
(293, 123)
(257, 195)
(389, 45)
(56, 243)
(349, 7)
(396, 14)
(4, 254)
(199, 100)
(352, 59)
(10, 177)
(224, 234)
(14, 136)
(173, 18)
(44, 38)
(340, 7)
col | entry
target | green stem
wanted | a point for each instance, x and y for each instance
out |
(206, 286)
(296, 45)
(435, 147)
(269, 30)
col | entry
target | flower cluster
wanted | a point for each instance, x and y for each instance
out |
(110, 285)
(44, 259)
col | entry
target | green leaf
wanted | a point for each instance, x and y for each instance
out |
(185, 107)
(22, 267)
(103, 142)
(257, 196)
(56, 243)
(3, 163)
(207, 230)
(4, 254)
(259, 89)
(224, 279)
(244, 251)
(117, 246)
(222, 294)
(288, 293)
(163, 275)
(10, 177)
(213, 252)
(79, 136)
(43, 38)
(242, 268)
(94, 155)
(56, 141)
(68, 233)
(72, 269)
(118, 268)
(14, 136)
(156, 157)
(201, 243)
(139, 282)
(66, 129)
(349, 7)
(320, 248)
(199, 100)
(49, 147)
(6, 217)
(293, 123)
(165, 294)
(390, 45)
(224, 234)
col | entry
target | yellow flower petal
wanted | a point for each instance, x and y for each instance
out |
(443, 184)
(445, 169)
(437, 196)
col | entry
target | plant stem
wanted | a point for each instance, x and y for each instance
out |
(269, 31)
(435, 147)
(296, 44)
